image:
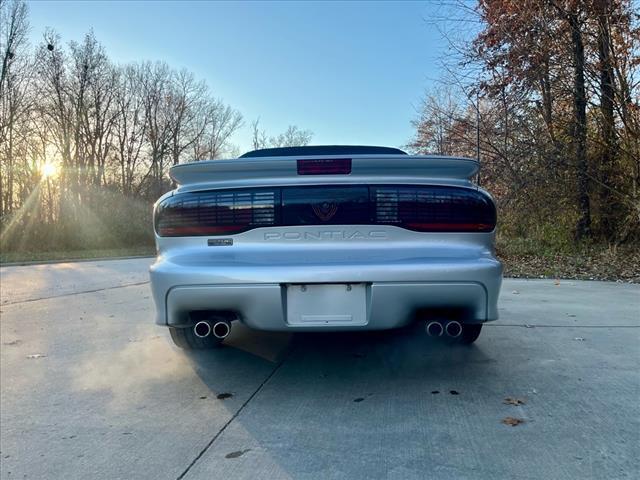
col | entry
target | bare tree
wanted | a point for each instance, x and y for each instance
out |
(441, 110)
(291, 137)
(130, 126)
(15, 26)
(76, 129)
(96, 114)
(187, 104)
(15, 100)
(258, 137)
(155, 81)
(221, 122)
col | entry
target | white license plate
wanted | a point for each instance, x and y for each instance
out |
(327, 304)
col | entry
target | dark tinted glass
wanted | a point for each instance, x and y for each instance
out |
(325, 205)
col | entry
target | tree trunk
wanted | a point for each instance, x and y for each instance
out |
(609, 147)
(583, 226)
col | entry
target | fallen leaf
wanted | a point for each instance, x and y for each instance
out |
(513, 401)
(237, 453)
(512, 421)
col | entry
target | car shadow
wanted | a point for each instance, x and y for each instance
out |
(407, 352)
(322, 388)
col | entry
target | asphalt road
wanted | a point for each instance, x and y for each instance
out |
(91, 388)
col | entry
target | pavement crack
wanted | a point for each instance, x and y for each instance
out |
(233, 417)
(70, 294)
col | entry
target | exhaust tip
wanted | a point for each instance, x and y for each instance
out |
(221, 329)
(453, 329)
(434, 329)
(202, 329)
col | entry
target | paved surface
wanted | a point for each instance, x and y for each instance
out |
(111, 398)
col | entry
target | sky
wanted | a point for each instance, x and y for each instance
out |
(352, 72)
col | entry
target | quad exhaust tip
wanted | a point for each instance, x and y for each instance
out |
(434, 329)
(453, 329)
(221, 329)
(202, 329)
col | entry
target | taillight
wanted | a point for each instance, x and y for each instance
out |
(324, 166)
(434, 208)
(216, 212)
(422, 208)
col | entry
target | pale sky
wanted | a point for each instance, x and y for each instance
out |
(352, 72)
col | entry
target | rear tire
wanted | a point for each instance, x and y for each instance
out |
(470, 333)
(186, 339)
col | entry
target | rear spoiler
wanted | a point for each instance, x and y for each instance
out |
(280, 170)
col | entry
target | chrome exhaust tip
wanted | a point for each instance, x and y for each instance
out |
(434, 329)
(221, 329)
(202, 329)
(453, 329)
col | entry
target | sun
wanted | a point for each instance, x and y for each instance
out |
(49, 170)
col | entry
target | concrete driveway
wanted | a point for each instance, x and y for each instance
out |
(91, 388)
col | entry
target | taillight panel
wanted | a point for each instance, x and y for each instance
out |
(423, 208)
(434, 208)
(219, 212)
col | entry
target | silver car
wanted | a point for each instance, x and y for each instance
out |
(327, 238)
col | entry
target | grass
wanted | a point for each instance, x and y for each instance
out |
(19, 257)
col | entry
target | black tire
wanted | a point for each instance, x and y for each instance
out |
(470, 333)
(186, 339)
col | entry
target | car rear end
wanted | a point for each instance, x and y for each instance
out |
(324, 243)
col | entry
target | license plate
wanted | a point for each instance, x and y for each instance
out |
(327, 304)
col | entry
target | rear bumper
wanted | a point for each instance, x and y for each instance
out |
(258, 293)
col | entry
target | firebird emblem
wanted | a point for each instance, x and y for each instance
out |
(325, 210)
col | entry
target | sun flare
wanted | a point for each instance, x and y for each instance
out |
(49, 170)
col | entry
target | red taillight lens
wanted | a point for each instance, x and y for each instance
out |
(434, 208)
(324, 166)
(216, 212)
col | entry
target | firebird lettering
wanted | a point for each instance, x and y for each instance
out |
(327, 235)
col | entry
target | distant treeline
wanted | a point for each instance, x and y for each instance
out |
(86, 144)
(549, 91)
